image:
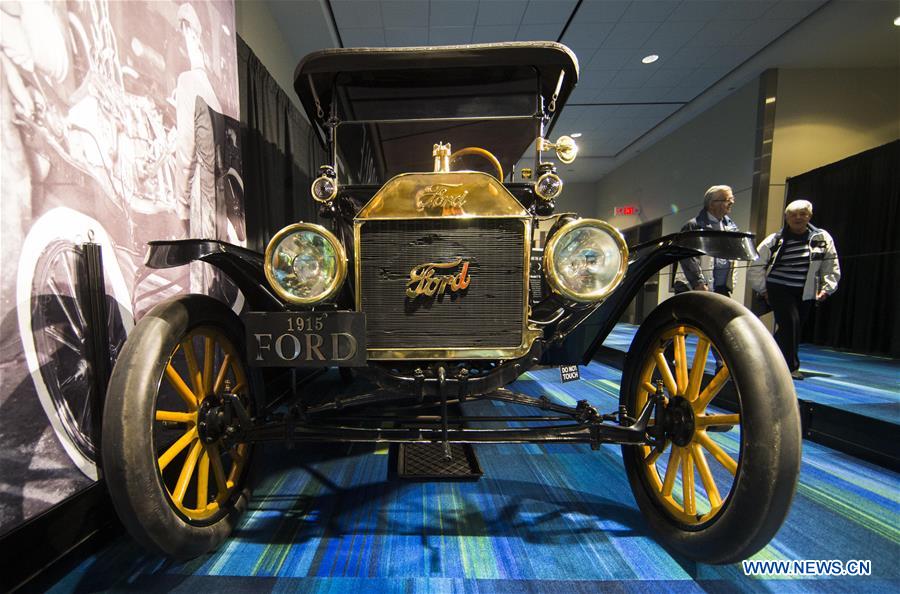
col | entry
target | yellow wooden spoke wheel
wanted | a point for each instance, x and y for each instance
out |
(172, 453)
(201, 468)
(717, 474)
(682, 456)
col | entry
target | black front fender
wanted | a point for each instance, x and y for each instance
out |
(732, 245)
(580, 335)
(244, 267)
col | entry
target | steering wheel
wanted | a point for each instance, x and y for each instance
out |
(486, 154)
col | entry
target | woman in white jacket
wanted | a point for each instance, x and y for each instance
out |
(797, 267)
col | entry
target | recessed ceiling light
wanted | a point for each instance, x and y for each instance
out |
(897, 21)
(575, 134)
(650, 59)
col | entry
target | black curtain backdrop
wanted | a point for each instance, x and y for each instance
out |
(280, 153)
(857, 200)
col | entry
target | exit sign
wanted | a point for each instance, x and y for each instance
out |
(626, 210)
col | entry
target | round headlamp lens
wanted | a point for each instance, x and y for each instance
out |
(586, 260)
(305, 264)
(324, 189)
(548, 186)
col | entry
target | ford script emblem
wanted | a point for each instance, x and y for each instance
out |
(446, 199)
(423, 279)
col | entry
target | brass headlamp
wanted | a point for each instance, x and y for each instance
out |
(585, 260)
(305, 264)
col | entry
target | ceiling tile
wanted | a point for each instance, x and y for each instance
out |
(795, 10)
(604, 147)
(762, 33)
(687, 57)
(681, 93)
(356, 14)
(730, 56)
(657, 112)
(494, 33)
(500, 12)
(362, 37)
(607, 11)
(449, 35)
(647, 94)
(703, 77)
(406, 36)
(630, 78)
(628, 112)
(595, 78)
(581, 95)
(667, 77)
(649, 11)
(611, 59)
(586, 35)
(629, 35)
(571, 117)
(452, 13)
(603, 113)
(547, 32)
(697, 10)
(716, 33)
(609, 95)
(611, 128)
(398, 14)
(745, 10)
(548, 11)
(596, 128)
(672, 35)
(584, 55)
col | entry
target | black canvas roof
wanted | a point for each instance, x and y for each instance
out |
(381, 70)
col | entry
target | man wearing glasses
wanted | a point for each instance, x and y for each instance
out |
(705, 273)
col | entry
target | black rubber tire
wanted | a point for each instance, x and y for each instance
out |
(129, 461)
(769, 461)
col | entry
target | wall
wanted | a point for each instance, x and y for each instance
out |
(669, 179)
(578, 197)
(114, 155)
(256, 25)
(825, 115)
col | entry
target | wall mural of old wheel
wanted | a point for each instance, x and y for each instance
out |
(52, 324)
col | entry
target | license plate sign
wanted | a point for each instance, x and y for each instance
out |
(295, 339)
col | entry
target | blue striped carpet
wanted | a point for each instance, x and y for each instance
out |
(863, 384)
(554, 518)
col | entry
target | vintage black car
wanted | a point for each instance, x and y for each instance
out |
(429, 285)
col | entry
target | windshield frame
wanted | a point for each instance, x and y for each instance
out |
(538, 118)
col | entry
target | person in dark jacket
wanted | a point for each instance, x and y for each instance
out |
(705, 273)
(797, 267)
